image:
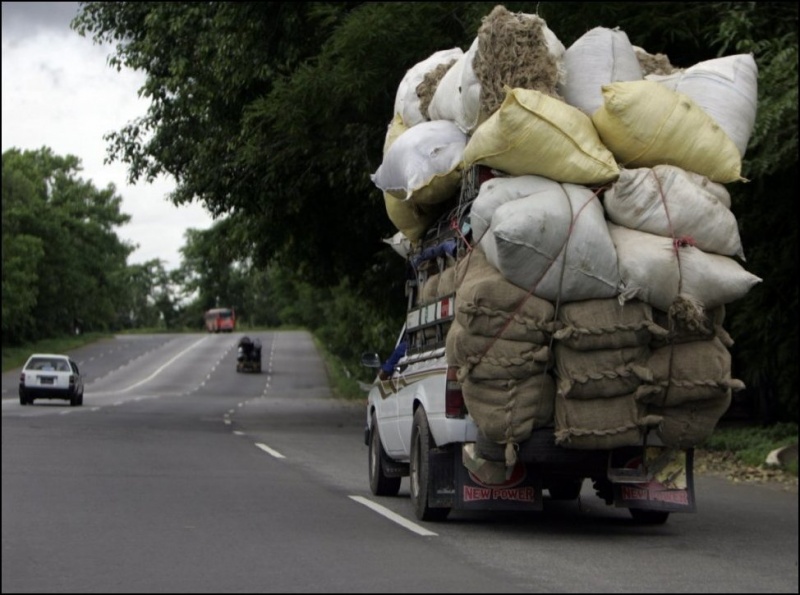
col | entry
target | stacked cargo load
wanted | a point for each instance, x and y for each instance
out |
(595, 247)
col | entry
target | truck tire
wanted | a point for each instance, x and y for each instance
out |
(565, 489)
(649, 517)
(419, 469)
(379, 483)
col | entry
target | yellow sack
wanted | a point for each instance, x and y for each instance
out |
(396, 128)
(533, 133)
(645, 124)
(412, 219)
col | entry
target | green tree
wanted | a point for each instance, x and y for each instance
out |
(62, 259)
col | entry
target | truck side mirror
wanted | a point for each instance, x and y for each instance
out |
(370, 360)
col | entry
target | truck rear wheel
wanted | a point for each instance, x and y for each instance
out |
(419, 469)
(649, 517)
(379, 483)
(565, 489)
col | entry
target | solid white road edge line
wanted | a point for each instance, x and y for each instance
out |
(394, 517)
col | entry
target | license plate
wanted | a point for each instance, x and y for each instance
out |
(47, 380)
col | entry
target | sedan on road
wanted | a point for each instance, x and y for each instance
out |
(50, 376)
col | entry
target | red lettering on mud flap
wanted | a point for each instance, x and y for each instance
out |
(522, 491)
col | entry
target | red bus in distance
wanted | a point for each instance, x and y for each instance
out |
(220, 320)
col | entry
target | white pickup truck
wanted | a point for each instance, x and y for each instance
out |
(418, 425)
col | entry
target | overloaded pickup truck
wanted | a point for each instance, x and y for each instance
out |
(418, 423)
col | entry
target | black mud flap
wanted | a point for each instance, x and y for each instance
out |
(521, 492)
(654, 478)
(441, 487)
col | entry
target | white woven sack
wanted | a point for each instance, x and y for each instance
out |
(666, 201)
(654, 271)
(420, 157)
(599, 57)
(555, 244)
(407, 102)
(498, 191)
(470, 92)
(447, 103)
(727, 90)
(644, 124)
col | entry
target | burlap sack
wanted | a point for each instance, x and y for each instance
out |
(489, 358)
(690, 324)
(429, 290)
(516, 50)
(600, 373)
(606, 324)
(489, 305)
(692, 371)
(506, 411)
(690, 424)
(592, 424)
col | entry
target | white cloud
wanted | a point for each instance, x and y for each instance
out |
(59, 92)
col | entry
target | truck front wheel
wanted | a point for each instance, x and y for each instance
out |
(419, 470)
(379, 483)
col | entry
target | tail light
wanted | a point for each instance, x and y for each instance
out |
(453, 397)
(72, 379)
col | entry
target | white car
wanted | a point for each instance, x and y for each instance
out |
(50, 376)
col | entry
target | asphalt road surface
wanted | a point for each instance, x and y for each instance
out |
(179, 474)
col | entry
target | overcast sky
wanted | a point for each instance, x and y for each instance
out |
(59, 92)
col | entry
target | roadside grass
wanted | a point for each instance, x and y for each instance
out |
(751, 443)
(15, 357)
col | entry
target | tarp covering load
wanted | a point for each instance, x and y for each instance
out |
(599, 57)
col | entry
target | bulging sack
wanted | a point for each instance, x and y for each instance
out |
(423, 163)
(533, 133)
(645, 124)
(668, 201)
(556, 245)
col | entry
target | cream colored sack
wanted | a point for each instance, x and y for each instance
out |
(533, 133)
(645, 124)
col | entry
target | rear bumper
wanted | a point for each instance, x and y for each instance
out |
(46, 393)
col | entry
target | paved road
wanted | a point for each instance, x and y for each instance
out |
(180, 475)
